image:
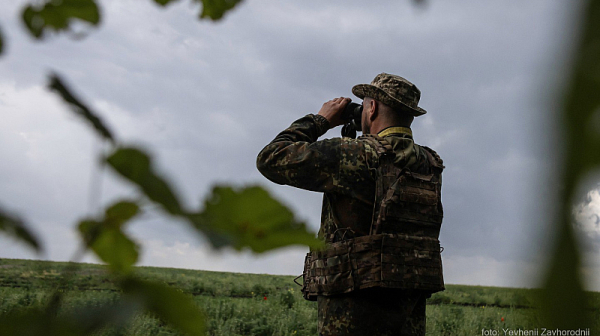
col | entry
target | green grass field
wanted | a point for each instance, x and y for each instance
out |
(256, 304)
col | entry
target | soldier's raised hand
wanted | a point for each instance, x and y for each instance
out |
(332, 111)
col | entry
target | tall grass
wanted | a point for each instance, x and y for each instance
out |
(257, 304)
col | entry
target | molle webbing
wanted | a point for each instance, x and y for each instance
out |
(411, 205)
(383, 260)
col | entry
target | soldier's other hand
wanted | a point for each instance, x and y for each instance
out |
(332, 111)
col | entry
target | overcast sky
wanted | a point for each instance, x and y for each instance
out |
(205, 97)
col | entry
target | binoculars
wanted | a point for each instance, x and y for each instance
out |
(352, 116)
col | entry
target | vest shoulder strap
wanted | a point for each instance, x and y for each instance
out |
(434, 158)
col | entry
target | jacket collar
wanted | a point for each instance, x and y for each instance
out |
(395, 130)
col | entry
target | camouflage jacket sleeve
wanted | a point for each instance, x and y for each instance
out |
(338, 165)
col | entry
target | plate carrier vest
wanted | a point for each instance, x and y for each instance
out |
(402, 249)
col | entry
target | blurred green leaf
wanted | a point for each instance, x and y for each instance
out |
(35, 322)
(251, 218)
(121, 212)
(581, 112)
(164, 2)
(135, 165)
(106, 238)
(58, 15)
(168, 304)
(215, 9)
(1, 42)
(85, 320)
(565, 304)
(211, 9)
(56, 84)
(18, 229)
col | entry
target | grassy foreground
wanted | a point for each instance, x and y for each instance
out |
(259, 304)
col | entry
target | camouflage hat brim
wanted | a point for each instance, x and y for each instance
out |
(368, 90)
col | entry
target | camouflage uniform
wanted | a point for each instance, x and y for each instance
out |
(346, 171)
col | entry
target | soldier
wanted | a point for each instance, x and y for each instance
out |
(381, 212)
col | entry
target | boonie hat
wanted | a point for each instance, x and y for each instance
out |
(392, 90)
